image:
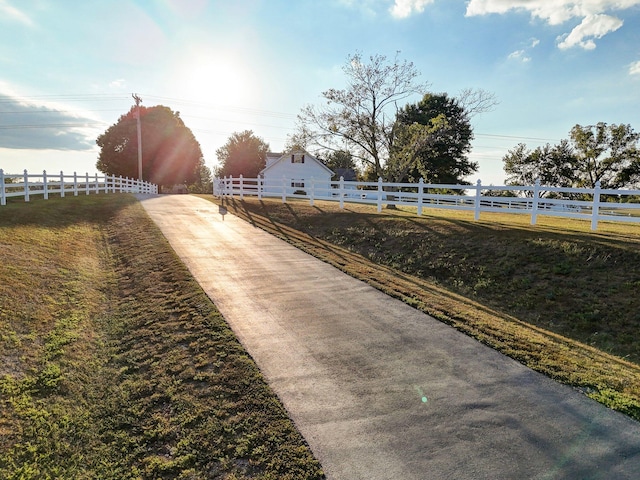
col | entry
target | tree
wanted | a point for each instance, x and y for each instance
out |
(170, 152)
(608, 154)
(243, 154)
(431, 140)
(360, 117)
(298, 141)
(204, 183)
(342, 164)
(552, 165)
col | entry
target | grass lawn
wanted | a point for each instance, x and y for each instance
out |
(555, 296)
(113, 362)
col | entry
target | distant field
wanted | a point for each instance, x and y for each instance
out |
(556, 296)
(115, 365)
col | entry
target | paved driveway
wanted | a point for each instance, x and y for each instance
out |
(378, 389)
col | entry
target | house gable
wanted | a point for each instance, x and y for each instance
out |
(297, 165)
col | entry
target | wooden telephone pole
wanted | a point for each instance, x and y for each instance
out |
(138, 102)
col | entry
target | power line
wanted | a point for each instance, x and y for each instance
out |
(269, 113)
(30, 112)
(490, 135)
(67, 98)
(180, 102)
(52, 125)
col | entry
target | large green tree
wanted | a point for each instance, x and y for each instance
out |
(432, 140)
(359, 118)
(609, 154)
(170, 152)
(244, 154)
(552, 165)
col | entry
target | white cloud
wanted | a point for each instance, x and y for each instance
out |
(634, 68)
(520, 55)
(554, 12)
(595, 21)
(592, 26)
(405, 8)
(44, 125)
(13, 13)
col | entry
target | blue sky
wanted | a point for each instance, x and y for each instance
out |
(68, 68)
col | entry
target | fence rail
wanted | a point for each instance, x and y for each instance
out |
(28, 184)
(592, 204)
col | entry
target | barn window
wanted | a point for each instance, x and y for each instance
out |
(297, 158)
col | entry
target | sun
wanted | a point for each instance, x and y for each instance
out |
(217, 79)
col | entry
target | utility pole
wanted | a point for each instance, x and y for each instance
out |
(138, 101)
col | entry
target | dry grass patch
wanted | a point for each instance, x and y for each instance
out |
(115, 364)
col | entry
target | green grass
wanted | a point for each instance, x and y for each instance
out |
(113, 362)
(557, 297)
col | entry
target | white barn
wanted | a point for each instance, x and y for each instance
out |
(296, 170)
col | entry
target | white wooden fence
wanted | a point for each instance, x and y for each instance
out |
(28, 184)
(602, 204)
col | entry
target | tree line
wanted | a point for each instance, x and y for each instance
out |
(363, 128)
(601, 153)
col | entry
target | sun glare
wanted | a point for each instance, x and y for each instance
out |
(217, 80)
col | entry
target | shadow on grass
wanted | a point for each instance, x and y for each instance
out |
(291, 235)
(545, 298)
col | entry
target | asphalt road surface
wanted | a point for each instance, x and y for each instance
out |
(378, 389)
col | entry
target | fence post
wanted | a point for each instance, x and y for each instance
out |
(3, 195)
(26, 186)
(596, 206)
(312, 191)
(379, 194)
(241, 186)
(534, 205)
(97, 185)
(44, 185)
(75, 184)
(420, 194)
(478, 200)
(341, 192)
(86, 184)
(284, 189)
(61, 184)
(260, 186)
